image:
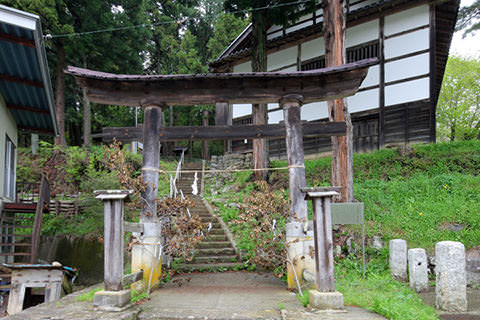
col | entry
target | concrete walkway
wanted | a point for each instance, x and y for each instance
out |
(229, 295)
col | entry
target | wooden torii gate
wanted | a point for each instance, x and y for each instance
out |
(156, 92)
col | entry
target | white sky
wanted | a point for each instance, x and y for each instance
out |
(470, 45)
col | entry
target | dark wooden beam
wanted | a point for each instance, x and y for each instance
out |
(29, 109)
(28, 82)
(251, 87)
(17, 40)
(35, 130)
(310, 129)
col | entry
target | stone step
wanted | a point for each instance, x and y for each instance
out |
(216, 232)
(208, 219)
(214, 244)
(214, 259)
(208, 252)
(210, 267)
(215, 237)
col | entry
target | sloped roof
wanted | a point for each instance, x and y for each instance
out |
(24, 77)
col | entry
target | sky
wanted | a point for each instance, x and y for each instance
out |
(468, 46)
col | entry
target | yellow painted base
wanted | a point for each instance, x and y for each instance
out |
(143, 260)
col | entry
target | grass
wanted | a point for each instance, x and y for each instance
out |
(378, 292)
(88, 296)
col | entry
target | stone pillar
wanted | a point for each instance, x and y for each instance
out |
(451, 286)
(298, 206)
(113, 298)
(418, 269)
(146, 254)
(325, 296)
(398, 259)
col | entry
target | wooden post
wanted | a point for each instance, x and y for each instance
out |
(43, 199)
(294, 139)
(223, 117)
(151, 160)
(113, 201)
(325, 295)
(204, 142)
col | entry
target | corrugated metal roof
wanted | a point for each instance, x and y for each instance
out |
(24, 87)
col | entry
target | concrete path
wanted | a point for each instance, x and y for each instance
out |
(229, 295)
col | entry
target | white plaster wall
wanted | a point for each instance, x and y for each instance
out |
(313, 48)
(282, 58)
(407, 91)
(407, 43)
(314, 111)
(362, 33)
(408, 19)
(243, 67)
(364, 100)
(240, 110)
(372, 78)
(409, 67)
(8, 126)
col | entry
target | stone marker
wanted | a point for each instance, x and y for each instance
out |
(418, 269)
(451, 288)
(398, 259)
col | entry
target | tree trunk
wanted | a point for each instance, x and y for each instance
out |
(205, 142)
(87, 127)
(453, 131)
(60, 95)
(342, 147)
(259, 111)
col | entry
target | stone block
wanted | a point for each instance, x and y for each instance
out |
(398, 259)
(473, 266)
(418, 269)
(451, 286)
(326, 300)
(112, 300)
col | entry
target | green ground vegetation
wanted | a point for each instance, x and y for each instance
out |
(420, 193)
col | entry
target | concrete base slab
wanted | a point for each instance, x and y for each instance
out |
(114, 301)
(326, 300)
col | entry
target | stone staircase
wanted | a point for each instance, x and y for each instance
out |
(215, 252)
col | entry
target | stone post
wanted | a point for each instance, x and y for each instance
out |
(325, 296)
(295, 233)
(113, 298)
(451, 286)
(398, 259)
(418, 269)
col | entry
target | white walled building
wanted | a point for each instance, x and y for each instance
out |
(396, 102)
(26, 98)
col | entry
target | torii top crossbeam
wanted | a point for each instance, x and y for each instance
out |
(252, 87)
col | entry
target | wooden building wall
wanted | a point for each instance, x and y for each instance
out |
(394, 103)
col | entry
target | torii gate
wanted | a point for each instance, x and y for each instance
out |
(289, 89)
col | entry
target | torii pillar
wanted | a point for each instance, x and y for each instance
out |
(297, 237)
(146, 255)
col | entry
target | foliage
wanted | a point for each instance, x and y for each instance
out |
(458, 111)
(468, 18)
(227, 28)
(378, 292)
(89, 295)
(260, 225)
(138, 296)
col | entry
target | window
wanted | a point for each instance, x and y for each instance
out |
(10, 168)
(357, 53)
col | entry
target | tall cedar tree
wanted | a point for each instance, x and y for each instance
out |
(342, 147)
(264, 14)
(469, 18)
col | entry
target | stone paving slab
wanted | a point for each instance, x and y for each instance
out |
(217, 296)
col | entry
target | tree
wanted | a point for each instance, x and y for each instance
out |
(342, 147)
(263, 14)
(458, 109)
(227, 28)
(468, 18)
